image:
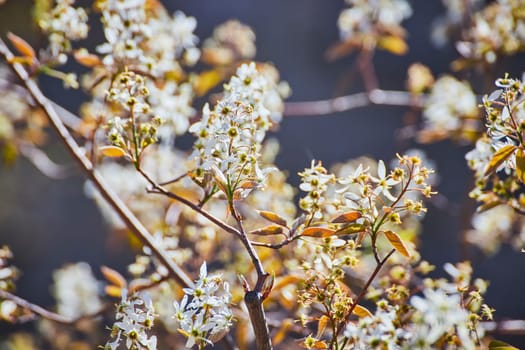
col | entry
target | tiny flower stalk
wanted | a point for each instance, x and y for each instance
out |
(137, 128)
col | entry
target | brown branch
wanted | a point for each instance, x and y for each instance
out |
(253, 300)
(77, 153)
(507, 327)
(367, 284)
(158, 189)
(48, 315)
(353, 101)
(42, 162)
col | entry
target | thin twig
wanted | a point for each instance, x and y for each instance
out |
(42, 162)
(48, 315)
(107, 193)
(358, 100)
(158, 189)
(367, 284)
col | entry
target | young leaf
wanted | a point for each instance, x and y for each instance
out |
(86, 59)
(499, 345)
(393, 44)
(271, 216)
(21, 46)
(282, 332)
(350, 216)
(499, 157)
(397, 243)
(520, 165)
(267, 286)
(350, 229)
(319, 232)
(268, 230)
(321, 326)
(361, 311)
(113, 277)
(112, 151)
(113, 291)
(206, 81)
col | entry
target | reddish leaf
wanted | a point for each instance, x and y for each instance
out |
(350, 216)
(268, 230)
(361, 311)
(397, 243)
(21, 46)
(113, 277)
(319, 232)
(271, 216)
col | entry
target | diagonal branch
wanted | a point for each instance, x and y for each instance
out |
(77, 153)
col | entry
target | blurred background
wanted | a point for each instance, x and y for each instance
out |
(48, 223)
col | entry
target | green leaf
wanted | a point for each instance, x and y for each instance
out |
(499, 345)
(350, 229)
(520, 165)
(499, 157)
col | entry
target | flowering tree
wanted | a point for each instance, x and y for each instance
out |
(226, 257)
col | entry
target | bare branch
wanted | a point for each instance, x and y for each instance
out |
(44, 313)
(42, 162)
(111, 197)
(358, 100)
(158, 189)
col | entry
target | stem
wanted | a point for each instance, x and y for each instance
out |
(367, 284)
(49, 315)
(158, 189)
(77, 153)
(253, 300)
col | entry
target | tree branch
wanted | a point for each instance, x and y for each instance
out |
(158, 189)
(77, 153)
(44, 313)
(358, 100)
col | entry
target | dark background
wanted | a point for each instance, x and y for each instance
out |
(48, 223)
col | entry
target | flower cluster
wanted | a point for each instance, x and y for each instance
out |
(368, 24)
(146, 38)
(231, 41)
(63, 24)
(229, 136)
(125, 29)
(497, 30)
(133, 133)
(450, 111)
(8, 273)
(76, 290)
(134, 317)
(498, 159)
(445, 313)
(377, 331)
(496, 226)
(203, 316)
(449, 25)
(375, 199)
